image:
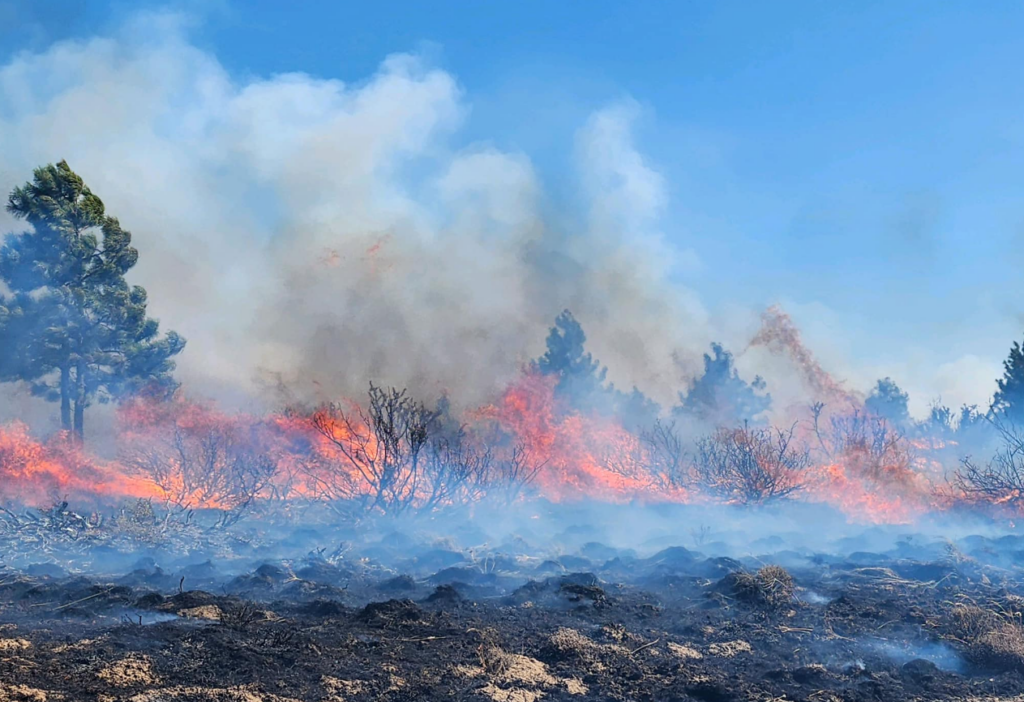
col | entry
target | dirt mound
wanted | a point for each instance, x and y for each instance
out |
(390, 612)
(24, 693)
(445, 594)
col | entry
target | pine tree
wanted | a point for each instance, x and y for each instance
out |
(579, 375)
(1009, 398)
(720, 397)
(72, 327)
(889, 402)
(581, 378)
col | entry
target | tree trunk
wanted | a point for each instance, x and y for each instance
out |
(79, 422)
(79, 428)
(65, 398)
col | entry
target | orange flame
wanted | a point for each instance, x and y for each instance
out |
(38, 473)
(190, 453)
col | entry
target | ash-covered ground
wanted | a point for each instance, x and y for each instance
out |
(554, 602)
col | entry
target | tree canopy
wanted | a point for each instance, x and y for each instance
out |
(720, 397)
(581, 378)
(1008, 401)
(888, 401)
(70, 325)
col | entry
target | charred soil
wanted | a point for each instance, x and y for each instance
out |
(676, 625)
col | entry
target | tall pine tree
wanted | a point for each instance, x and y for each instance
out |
(71, 326)
(580, 377)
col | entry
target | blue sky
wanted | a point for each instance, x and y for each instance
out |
(859, 162)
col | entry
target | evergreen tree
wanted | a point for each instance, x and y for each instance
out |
(720, 397)
(1008, 401)
(581, 378)
(72, 327)
(579, 375)
(888, 401)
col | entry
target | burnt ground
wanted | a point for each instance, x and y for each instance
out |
(398, 619)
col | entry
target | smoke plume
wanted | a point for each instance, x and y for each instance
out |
(306, 234)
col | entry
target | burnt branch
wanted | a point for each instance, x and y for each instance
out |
(750, 466)
(204, 466)
(1001, 480)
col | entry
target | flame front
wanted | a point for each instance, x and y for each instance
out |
(192, 454)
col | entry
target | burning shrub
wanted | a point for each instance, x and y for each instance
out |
(37, 473)
(1001, 480)
(383, 446)
(200, 459)
(866, 445)
(750, 466)
(399, 455)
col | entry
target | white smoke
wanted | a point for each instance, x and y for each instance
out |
(308, 235)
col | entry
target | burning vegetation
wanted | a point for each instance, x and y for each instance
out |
(394, 547)
(560, 431)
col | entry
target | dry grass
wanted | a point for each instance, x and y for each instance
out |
(24, 693)
(729, 649)
(772, 587)
(989, 639)
(12, 646)
(195, 693)
(131, 671)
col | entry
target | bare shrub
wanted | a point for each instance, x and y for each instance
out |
(398, 456)
(513, 473)
(867, 446)
(456, 471)
(771, 587)
(1001, 480)
(665, 453)
(750, 466)
(141, 521)
(241, 616)
(776, 585)
(204, 465)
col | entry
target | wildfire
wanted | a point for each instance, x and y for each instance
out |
(584, 456)
(779, 334)
(194, 455)
(39, 473)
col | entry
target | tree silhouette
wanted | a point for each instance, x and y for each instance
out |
(581, 378)
(719, 397)
(888, 401)
(1008, 401)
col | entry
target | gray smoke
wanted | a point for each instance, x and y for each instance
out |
(306, 235)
